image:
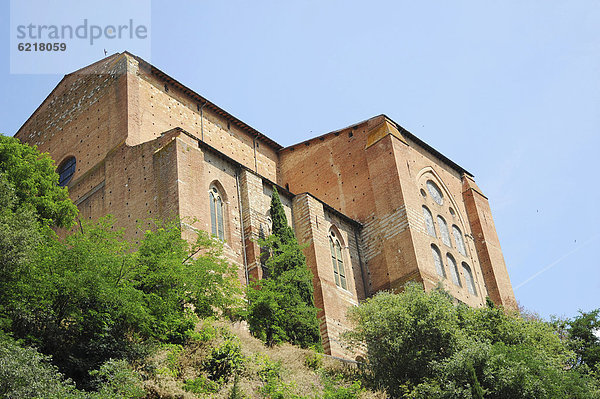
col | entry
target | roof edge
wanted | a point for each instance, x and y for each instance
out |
(402, 130)
(429, 148)
(281, 189)
(204, 101)
(322, 136)
(57, 86)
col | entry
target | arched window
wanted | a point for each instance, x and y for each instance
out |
(429, 221)
(216, 213)
(437, 260)
(336, 260)
(65, 171)
(435, 192)
(458, 239)
(453, 270)
(444, 231)
(469, 278)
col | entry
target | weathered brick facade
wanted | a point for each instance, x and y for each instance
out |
(146, 146)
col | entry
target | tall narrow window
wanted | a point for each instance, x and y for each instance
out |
(429, 221)
(458, 239)
(336, 260)
(469, 278)
(453, 270)
(216, 214)
(444, 231)
(65, 171)
(437, 260)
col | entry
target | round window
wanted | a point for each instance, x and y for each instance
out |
(435, 192)
(65, 171)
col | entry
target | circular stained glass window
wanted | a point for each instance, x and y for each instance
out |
(435, 192)
(65, 171)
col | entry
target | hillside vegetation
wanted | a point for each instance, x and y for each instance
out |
(223, 358)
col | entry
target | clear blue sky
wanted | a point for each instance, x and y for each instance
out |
(509, 90)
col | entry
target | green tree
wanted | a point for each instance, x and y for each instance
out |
(34, 181)
(25, 373)
(174, 273)
(94, 296)
(422, 345)
(584, 338)
(31, 203)
(405, 334)
(282, 308)
(280, 227)
(19, 237)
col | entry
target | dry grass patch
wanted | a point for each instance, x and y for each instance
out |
(219, 348)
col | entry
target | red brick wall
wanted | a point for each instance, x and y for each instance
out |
(313, 224)
(374, 173)
(153, 110)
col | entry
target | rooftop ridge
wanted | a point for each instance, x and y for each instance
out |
(203, 101)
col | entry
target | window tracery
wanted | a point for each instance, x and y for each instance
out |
(216, 213)
(337, 261)
(437, 261)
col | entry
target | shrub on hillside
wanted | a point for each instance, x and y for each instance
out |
(422, 345)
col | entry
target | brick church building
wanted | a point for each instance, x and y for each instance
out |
(375, 205)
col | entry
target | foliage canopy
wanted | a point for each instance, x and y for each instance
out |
(282, 308)
(94, 296)
(35, 182)
(422, 345)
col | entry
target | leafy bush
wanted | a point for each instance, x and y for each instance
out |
(314, 361)
(207, 332)
(172, 361)
(273, 387)
(270, 370)
(224, 360)
(201, 385)
(334, 391)
(116, 379)
(25, 373)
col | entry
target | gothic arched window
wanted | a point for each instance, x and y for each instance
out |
(458, 239)
(437, 260)
(65, 171)
(469, 278)
(444, 231)
(429, 221)
(216, 213)
(336, 260)
(453, 269)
